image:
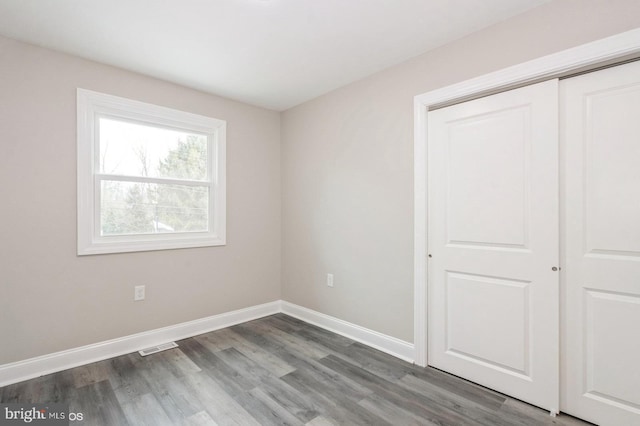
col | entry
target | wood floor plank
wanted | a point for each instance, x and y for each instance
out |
(321, 421)
(127, 379)
(283, 322)
(361, 355)
(254, 352)
(292, 320)
(392, 413)
(201, 418)
(392, 368)
(334, 406)
(314, 334)
(177, 362)
(340, 384)
(421, 405)
(291, 341)
(98, 405)
(468, 408)
(265, 409)
(215, 341)
(251, 370)
(177, 399)
(301, 363)
(220, 405)
(299, 404)
(525, 414)
(145, 410)
(277, 370)
(60, 389)
(90, 373)
(56, 388)
(230, 379)
(470, 391)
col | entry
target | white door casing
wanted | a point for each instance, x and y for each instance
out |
(493, 314)
(600, 121)
(606, 50)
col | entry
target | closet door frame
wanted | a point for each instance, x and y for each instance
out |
(588, 56)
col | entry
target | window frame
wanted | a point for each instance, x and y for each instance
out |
(91, 106)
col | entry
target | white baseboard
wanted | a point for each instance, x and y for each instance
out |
(35, 367)
(391, 345)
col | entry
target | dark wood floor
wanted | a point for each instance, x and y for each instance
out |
(272, 371)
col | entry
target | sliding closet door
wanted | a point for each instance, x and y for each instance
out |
(493, 239)
(601, 316)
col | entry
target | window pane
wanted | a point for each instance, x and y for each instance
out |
(144, 150)
(147, 208)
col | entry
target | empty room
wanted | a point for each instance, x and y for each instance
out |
(320, 212)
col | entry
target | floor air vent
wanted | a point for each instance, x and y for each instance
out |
(159, 348)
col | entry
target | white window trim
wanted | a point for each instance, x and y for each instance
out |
(92, 105)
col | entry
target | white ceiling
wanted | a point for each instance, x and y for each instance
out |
(271, 53)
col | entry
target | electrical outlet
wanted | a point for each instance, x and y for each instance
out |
(138, 293)
(330, 280)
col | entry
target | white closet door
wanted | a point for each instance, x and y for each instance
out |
(493, 235)
(601, 316)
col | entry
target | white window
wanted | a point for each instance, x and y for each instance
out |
(149, 177)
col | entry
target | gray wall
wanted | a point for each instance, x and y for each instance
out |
(51, 299)
(342, 167)
(347, 164)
